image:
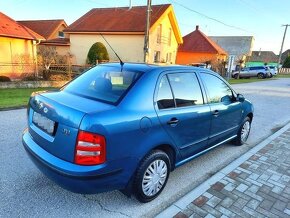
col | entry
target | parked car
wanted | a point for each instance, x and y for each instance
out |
(126, 128)
(260, 71)
(273, 70)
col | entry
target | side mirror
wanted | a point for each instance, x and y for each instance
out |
(240, 98)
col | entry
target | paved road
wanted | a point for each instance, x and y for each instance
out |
(25, 192)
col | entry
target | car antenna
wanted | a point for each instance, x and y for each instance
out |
(121, 62)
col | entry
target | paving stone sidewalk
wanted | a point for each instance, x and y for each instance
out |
(255, 185)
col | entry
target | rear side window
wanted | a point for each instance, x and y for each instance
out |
(179, 90)
(164, 97)
(218, 90)
(103, 83)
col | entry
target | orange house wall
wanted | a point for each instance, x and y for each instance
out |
(189, 58)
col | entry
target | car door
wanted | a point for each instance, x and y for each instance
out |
(245, 72)
(181, 110)
(226, 110)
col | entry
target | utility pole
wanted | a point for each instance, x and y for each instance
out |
(146, 39)
(280, 54)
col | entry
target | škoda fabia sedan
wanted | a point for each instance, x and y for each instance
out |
(126, 127)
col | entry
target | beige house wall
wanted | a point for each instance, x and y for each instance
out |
(164, 44)
(62, 50)
(128, 47)
(17, 56)
(55, 34)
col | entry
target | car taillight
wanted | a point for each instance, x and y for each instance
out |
(90, 149)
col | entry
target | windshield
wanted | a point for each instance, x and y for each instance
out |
(104, 83)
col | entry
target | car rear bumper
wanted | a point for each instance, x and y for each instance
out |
(77, 178)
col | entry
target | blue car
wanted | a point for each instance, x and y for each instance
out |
(127, 127)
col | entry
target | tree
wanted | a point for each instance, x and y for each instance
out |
(286, 63)
(97, 52)
(240, 61)
(48, 55)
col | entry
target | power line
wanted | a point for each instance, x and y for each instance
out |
(208, 17)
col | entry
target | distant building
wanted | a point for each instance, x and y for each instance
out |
(17, 48)
(52, 31)
(124, 29)
(198, 48)
(239, 46)
(262, 58)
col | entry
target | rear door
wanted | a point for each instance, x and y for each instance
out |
(182, 112)
(226, 112)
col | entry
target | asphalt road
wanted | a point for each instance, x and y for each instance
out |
(25, 192)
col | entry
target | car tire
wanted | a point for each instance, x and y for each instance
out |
(261, 76)
(271, 75)
(151, 176)
(243, 132)
(236, 76)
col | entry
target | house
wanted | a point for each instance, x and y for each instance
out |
(198, 48)
(240, 47)
(17, 48)
(260, 58)
(124, 29)
(52, 31)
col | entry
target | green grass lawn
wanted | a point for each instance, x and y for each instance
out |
(239, 81)
(10, 98)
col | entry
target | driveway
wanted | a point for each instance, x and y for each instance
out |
(25, 192)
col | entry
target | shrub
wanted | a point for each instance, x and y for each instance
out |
(28, 77)
(97, 52)
(286, 63)
(5, 79)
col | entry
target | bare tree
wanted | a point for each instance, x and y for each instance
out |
(47, 55)
(240, 61)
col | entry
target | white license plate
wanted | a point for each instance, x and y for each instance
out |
(43, 123)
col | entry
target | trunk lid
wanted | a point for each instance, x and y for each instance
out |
(54, 120)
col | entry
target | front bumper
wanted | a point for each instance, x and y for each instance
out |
(109, 176)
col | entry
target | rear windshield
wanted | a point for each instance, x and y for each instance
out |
(104, 83)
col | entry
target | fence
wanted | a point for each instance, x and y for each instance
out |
(17, 70)
(31, 71)
(284, 71)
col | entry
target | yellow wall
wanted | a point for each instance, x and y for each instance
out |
(163, 46)
(17, 56)
(128, 47)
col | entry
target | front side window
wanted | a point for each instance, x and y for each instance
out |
(104, 83)
(218, 90)
(186, 89)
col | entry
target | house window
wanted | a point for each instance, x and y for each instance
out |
(156, 56)
(60, 34)
(159, 33)
(168, 57)
(169, 37)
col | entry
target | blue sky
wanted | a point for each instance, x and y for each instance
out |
(259, 18)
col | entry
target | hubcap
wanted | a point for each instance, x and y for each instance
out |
(154, 177)
(245, 131)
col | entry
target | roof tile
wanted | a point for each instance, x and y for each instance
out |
(116, 19)
(11, 28)
(196, 41)
(43, 27)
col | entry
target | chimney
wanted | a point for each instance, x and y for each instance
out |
(197, 27)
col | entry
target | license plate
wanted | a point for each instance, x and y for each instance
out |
(43, 123)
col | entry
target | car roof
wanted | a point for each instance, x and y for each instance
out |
(142, 67)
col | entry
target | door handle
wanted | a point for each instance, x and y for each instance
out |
(173, 121)
(215, 113)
